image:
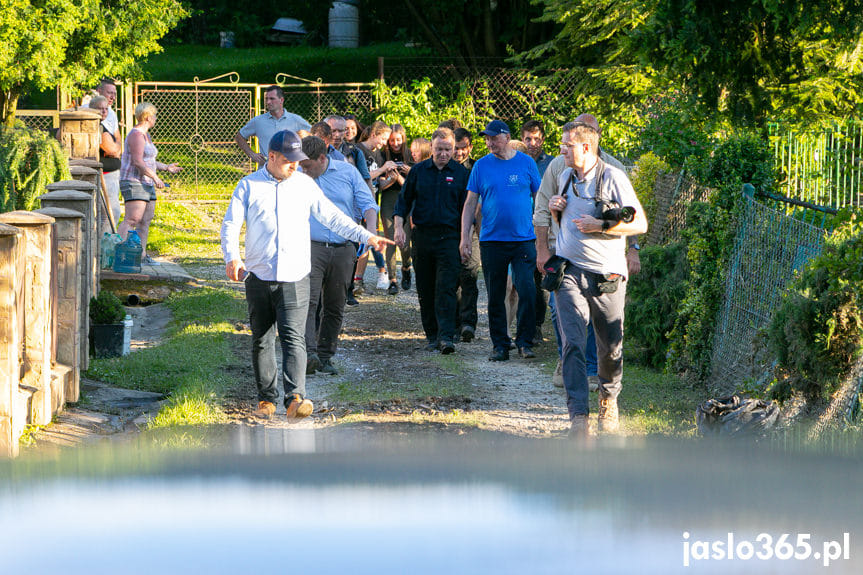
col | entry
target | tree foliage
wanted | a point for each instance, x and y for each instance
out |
(747, 59)
(48, 43)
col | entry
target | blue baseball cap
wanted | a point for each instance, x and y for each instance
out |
(288, 144)
(495, 128)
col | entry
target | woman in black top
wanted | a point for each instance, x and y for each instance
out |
(396, 151)
(110, 151)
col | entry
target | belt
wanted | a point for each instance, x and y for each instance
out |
(330, 244)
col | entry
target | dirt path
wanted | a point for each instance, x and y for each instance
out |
(387, 376)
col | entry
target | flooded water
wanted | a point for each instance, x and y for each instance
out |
(359, 501)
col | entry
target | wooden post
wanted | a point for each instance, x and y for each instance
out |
(10, 342)
(36, 230)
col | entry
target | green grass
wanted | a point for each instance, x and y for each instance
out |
(191, 362)
(452, 417)
(181, 232)
(181, 63)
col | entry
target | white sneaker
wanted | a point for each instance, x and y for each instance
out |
(383, 281)
(557, 378)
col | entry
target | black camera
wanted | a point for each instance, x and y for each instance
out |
(625, 214)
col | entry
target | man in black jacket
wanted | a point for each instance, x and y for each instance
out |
(433, 195)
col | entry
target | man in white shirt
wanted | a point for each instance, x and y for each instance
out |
(108, 89)
(275, 203)
(265, 126)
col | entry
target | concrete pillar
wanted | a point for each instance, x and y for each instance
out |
(10, 338)
(36, 230)
(79, 133)
(93, 176)
(67, 307)
(89, 228)
(95, 164)
(82, 203)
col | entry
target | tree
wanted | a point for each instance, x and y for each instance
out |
(746, 59)
(48, 43)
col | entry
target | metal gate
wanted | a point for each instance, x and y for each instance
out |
(197, 122)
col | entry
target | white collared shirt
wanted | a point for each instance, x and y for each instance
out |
(276, 214)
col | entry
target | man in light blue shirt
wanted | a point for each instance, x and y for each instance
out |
(265, 126)
(275, 203)
(333, 255)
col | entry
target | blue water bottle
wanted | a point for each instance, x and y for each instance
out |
(127, 254)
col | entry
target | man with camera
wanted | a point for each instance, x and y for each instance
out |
(596, 209)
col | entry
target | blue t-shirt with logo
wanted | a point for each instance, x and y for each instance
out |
(506, 189)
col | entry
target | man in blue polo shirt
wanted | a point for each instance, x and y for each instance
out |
(266, 125)
(333, 256)
(506, 180)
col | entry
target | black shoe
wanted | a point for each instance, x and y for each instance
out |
(351, 300)
(313, 363)
(393, 289)
(406, 279)
(432, 346)
(499, 354)
(526, 352)
(328, 368)
(467, 334)
(446, 347)
(512, 345)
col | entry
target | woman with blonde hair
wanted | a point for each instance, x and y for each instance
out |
(395, 153)
(138, 178)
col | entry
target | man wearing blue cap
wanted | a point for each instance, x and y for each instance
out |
(506, 180)
(275, 203)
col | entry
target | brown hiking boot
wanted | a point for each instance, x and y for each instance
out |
(579, 428)
(608, 416)
(299, 407)
(265, 410)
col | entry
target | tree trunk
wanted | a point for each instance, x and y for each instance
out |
(8, 105)
(488, 36)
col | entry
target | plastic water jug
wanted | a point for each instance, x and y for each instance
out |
(127, 334)
(106, 249)
(127, 254)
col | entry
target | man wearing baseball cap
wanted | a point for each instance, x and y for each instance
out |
(275, 203)
(506, 180)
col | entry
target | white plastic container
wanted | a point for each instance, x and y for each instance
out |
(344, 19)
(127, 334)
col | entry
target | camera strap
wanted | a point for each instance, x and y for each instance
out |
(600, 173)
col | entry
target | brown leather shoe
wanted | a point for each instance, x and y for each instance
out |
(299, 407)
(609, 420)
(265, 410)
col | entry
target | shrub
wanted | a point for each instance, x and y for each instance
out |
(648, 167)
(106, 309)
(817, 332)
(29, 160)
(709, 235)
(653, 296)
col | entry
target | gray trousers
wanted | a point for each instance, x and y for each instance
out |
(332, 268)
(578, 301)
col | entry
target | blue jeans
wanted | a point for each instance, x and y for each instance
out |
(283, 307)
(578, 301)
(497, 257)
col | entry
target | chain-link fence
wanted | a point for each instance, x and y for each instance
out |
(509, 94)
(47, 120)
(673, 193)
(197, 123)
(769, 247)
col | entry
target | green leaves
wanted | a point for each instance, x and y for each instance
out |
(49, 43)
